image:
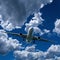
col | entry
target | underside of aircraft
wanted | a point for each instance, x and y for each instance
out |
(29, 37)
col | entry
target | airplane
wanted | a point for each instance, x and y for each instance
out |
(29, 37)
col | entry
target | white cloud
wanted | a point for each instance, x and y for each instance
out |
(41, 32)
(38, 30)
(45, 31)
(34, 23)
(6, 25)
(53, 53)
(51, 0)
(42, 5)
(7, 44)
(30, 48)
(28, 54)
(16, 11)
(57, 27)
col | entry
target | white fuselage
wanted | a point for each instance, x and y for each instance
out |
(29, 35)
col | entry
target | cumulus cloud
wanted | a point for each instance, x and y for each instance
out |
(28, 54)
(53, 53)
(57, 27)
(30, 48)
(17, 11)
(7, 26)
(7, 44)
(34, 23)
(46, 31)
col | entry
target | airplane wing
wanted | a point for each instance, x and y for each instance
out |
(45, 40)
(16, 34)
(42, 39)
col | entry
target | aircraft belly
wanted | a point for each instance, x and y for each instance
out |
(29, 35)
(29, 38)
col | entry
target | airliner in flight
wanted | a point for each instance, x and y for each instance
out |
(29, 37)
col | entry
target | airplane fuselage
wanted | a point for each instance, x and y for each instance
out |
(29, 35)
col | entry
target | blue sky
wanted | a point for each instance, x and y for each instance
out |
(44, 18)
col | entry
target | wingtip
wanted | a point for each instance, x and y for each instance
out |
(53, 42)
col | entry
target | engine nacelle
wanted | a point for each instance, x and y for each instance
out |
(38, 37)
